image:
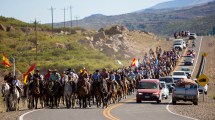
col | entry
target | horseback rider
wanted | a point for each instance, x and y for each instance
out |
(8, 79)
(84, 78)
(55, 76)
(96, 75)
(17, 83)
(64, 78)
(113, 80)
(193, 43)
(118, 78)
(47, 76)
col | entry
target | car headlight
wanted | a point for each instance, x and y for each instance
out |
(140, 93)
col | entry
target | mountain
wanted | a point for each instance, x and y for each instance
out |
(179, 4)
(150, 19)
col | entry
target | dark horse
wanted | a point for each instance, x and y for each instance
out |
(101, 92)
(83, 92)
(36, 92)
(55, 92)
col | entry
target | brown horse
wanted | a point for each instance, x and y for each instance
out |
(124, 87)
(112, 90)
(36, 93)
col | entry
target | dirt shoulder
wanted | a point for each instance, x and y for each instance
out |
(205, 110)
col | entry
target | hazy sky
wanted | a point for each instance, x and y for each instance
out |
(28, 10)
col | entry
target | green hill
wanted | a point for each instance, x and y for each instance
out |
(54, 51)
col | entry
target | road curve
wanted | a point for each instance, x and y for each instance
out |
(126, 110)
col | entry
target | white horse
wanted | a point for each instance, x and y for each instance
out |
(69, 94)
(11, 99)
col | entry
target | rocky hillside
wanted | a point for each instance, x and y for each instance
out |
(120, 43)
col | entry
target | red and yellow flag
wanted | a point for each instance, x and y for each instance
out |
(6, 61)
(25, 75)
(135, 62)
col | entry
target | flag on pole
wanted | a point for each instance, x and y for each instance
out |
(135, 62)
(6, 61)
(119, 62)
(31, 68)
(25, 75)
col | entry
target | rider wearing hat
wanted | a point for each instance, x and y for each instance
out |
(55, 76)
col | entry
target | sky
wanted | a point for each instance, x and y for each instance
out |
(29, 10)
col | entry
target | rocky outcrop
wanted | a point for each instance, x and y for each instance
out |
(116, 30)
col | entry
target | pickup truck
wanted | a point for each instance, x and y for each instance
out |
(186, 90)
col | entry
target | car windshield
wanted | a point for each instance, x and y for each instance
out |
(178, 73)
(185, 69)
(167, 80)
(147, 85)
(176, 79)
(177, 44)
(163, 85)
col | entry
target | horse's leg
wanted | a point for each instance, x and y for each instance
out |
(79, 98)
(89, 101)
(36, 101)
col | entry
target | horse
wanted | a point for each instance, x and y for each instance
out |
(101, 92)
(11, 96)
(112, 91)
(37, 92)
(131, 86)
(83, 91)
(54, 92)
(124, 87)
(69, 94)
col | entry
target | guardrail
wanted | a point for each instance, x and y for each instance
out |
(202, 66)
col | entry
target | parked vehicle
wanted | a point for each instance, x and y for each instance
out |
(169, 82)
(188, 71)
(165, 90)
(192, 36)
(149, 90)
(186, 90)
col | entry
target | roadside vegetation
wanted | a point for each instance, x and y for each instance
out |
(54, 51)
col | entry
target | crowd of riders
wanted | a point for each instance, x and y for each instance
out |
(154, 64)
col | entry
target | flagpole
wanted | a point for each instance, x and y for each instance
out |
(14, 67)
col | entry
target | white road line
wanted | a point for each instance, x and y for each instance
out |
(167, 107)
(21, 117)
(197, 56)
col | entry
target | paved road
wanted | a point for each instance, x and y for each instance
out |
(125, 110)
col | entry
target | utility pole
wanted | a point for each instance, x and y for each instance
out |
(52, 14)
(36, 42)
(76, 17)
(64, 11)
(71, 18)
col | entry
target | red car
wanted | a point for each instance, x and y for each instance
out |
(149, 90)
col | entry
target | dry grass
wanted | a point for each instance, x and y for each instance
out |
(208, 46)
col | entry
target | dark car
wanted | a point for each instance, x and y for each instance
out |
(188, 60)
(149, 90)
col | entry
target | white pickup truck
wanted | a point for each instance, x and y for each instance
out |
(179, 44)
(177, 75)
